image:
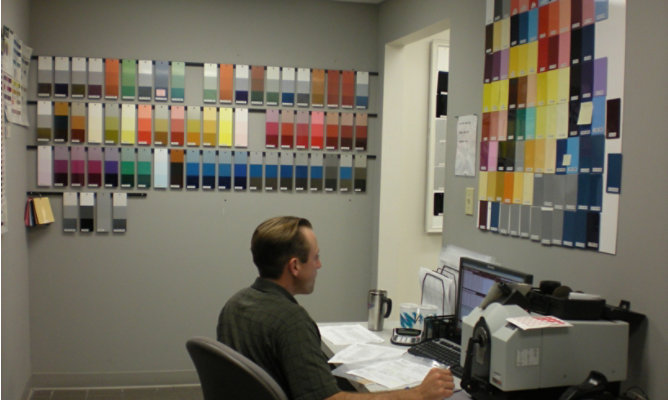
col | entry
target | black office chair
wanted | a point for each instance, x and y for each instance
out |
(228, 375)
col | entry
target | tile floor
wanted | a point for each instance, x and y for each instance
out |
(144, 393)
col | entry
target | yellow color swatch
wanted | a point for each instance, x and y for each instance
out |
(518, 188)
(527, 195)
(128, 124)
(529, 155)
(550, 155)
(482, 185)
(532, 57)
(539, 156)
(491, 185)
(209, 126)
(225, 127)
(541, 89)
(552, 86)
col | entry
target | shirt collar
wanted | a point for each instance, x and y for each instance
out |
(267, 286)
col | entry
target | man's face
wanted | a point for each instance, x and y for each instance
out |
(309, 269)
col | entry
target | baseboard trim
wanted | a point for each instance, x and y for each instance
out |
(114, 379)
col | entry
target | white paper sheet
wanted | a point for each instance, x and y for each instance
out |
(342, 335)
(357, 353)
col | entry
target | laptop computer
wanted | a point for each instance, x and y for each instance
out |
(475, 279)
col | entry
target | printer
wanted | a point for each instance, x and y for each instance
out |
(502, 361)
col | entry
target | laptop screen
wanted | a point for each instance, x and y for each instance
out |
(475, 280)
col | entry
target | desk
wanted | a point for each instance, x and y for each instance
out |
(330, 349)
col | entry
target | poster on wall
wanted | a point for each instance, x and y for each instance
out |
(550, 144)
(15, 65)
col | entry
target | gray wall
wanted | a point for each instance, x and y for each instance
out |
(104, 307)
(15, 284)
(638, 271)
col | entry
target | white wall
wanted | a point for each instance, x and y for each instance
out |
(403, 244)
(15, 285)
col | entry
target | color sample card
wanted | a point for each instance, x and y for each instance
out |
(332, 131)
(95, 123)
(362, 90)
(161, 168)
(128, 161)
(77, 166)
(111, 78)
(241, 127)
(192, 169)
(44, 76)
(210, 83)
(145, 80)
(287, 171)
(302, 138)
(225, 119)
(361, 131)
(128, 123)
(317, 172)
(177, 126)
(128, 79)
(96, 78)
(333, 88)
(271, 171)
(226, 83)
(111, 167)
(103, 213)
(44, 121)
(287, 129)
(178, 81)
(348, 89)
(44, 166)
(318, 88)
(347, 131)
(360, 173)
(176, 161)
(288, 86)
(62, 77)
(119, 212)
(301, 172)
(194, 126)
(346, 173)
(94, 167)
(241, 84)
(209, 169)
(240, 170)
(144, 166)
(78, 77)
(209, 126)
(144, 124)
(317, 130)
(255, 171)
(225, 170)
(112, 123)
(272, 87)
(257, 85)
(161, 122)
(70, 211)
(78, 123)
(331, 163)
(303, 87)
(61, 121)
(271, 128)
(161, 82)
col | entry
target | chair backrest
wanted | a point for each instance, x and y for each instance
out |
(229, 375)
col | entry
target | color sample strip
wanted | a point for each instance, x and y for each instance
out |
(348, 89)
(144, 158)
(332, 129)
(272, 86)
(317, 130)
(62, 77)
(192, 169)
(176, 159)
(128, 123)
(103, 211)
(96, 78)
(360, 173)
(161, 125)
(346, 173)
(301, 172)
(210, 84)
(241, 83)
(347, 131)
(209, 126)
(303, 87)
(257, 85)
(144, 122)
(241, 127)
(128, 159)
(317, 162)
(78, 166)
(111, 161)
(225, 118)
(78, 77)
(302, 130)
(161, 80)
(362, 90)
(94, 167)
(331, 172)
(95, 123)
(287, 170)
(128, 79)
(287, 129)
(70, 211)
(44, 76)
(161, 168)
(226, 83)
(208, 169)
(333, 88)
(178, 87)
(44, 121)
(271, 171)
(145, 80)
(318, 88)
(78, 123)
(288, 86)
(240, 170)
(119, 207)
(255, 171)
(194, 137)
(111, 78)
(111, 123)
(271, 128)
(61, 121)
(225, 170)
(177, 126)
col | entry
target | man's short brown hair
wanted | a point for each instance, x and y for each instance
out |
(276, 241)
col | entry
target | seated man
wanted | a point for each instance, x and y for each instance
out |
(266, 324)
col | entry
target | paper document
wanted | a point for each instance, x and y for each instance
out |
(341, 335)
(393, 374)
(357, 353)
(538, 322)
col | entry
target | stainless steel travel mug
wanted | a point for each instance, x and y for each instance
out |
(380, 307)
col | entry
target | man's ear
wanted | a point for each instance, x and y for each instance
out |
(293, 266)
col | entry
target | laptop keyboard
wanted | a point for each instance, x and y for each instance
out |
(442, 351)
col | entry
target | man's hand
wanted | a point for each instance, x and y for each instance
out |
(437, 384)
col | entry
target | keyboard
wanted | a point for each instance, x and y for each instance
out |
(442, 351)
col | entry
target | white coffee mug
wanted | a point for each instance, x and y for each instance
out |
(408, 314)
(424, 311)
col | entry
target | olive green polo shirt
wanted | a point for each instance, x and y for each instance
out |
(266, 324)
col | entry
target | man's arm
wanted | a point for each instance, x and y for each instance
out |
(437, 385)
